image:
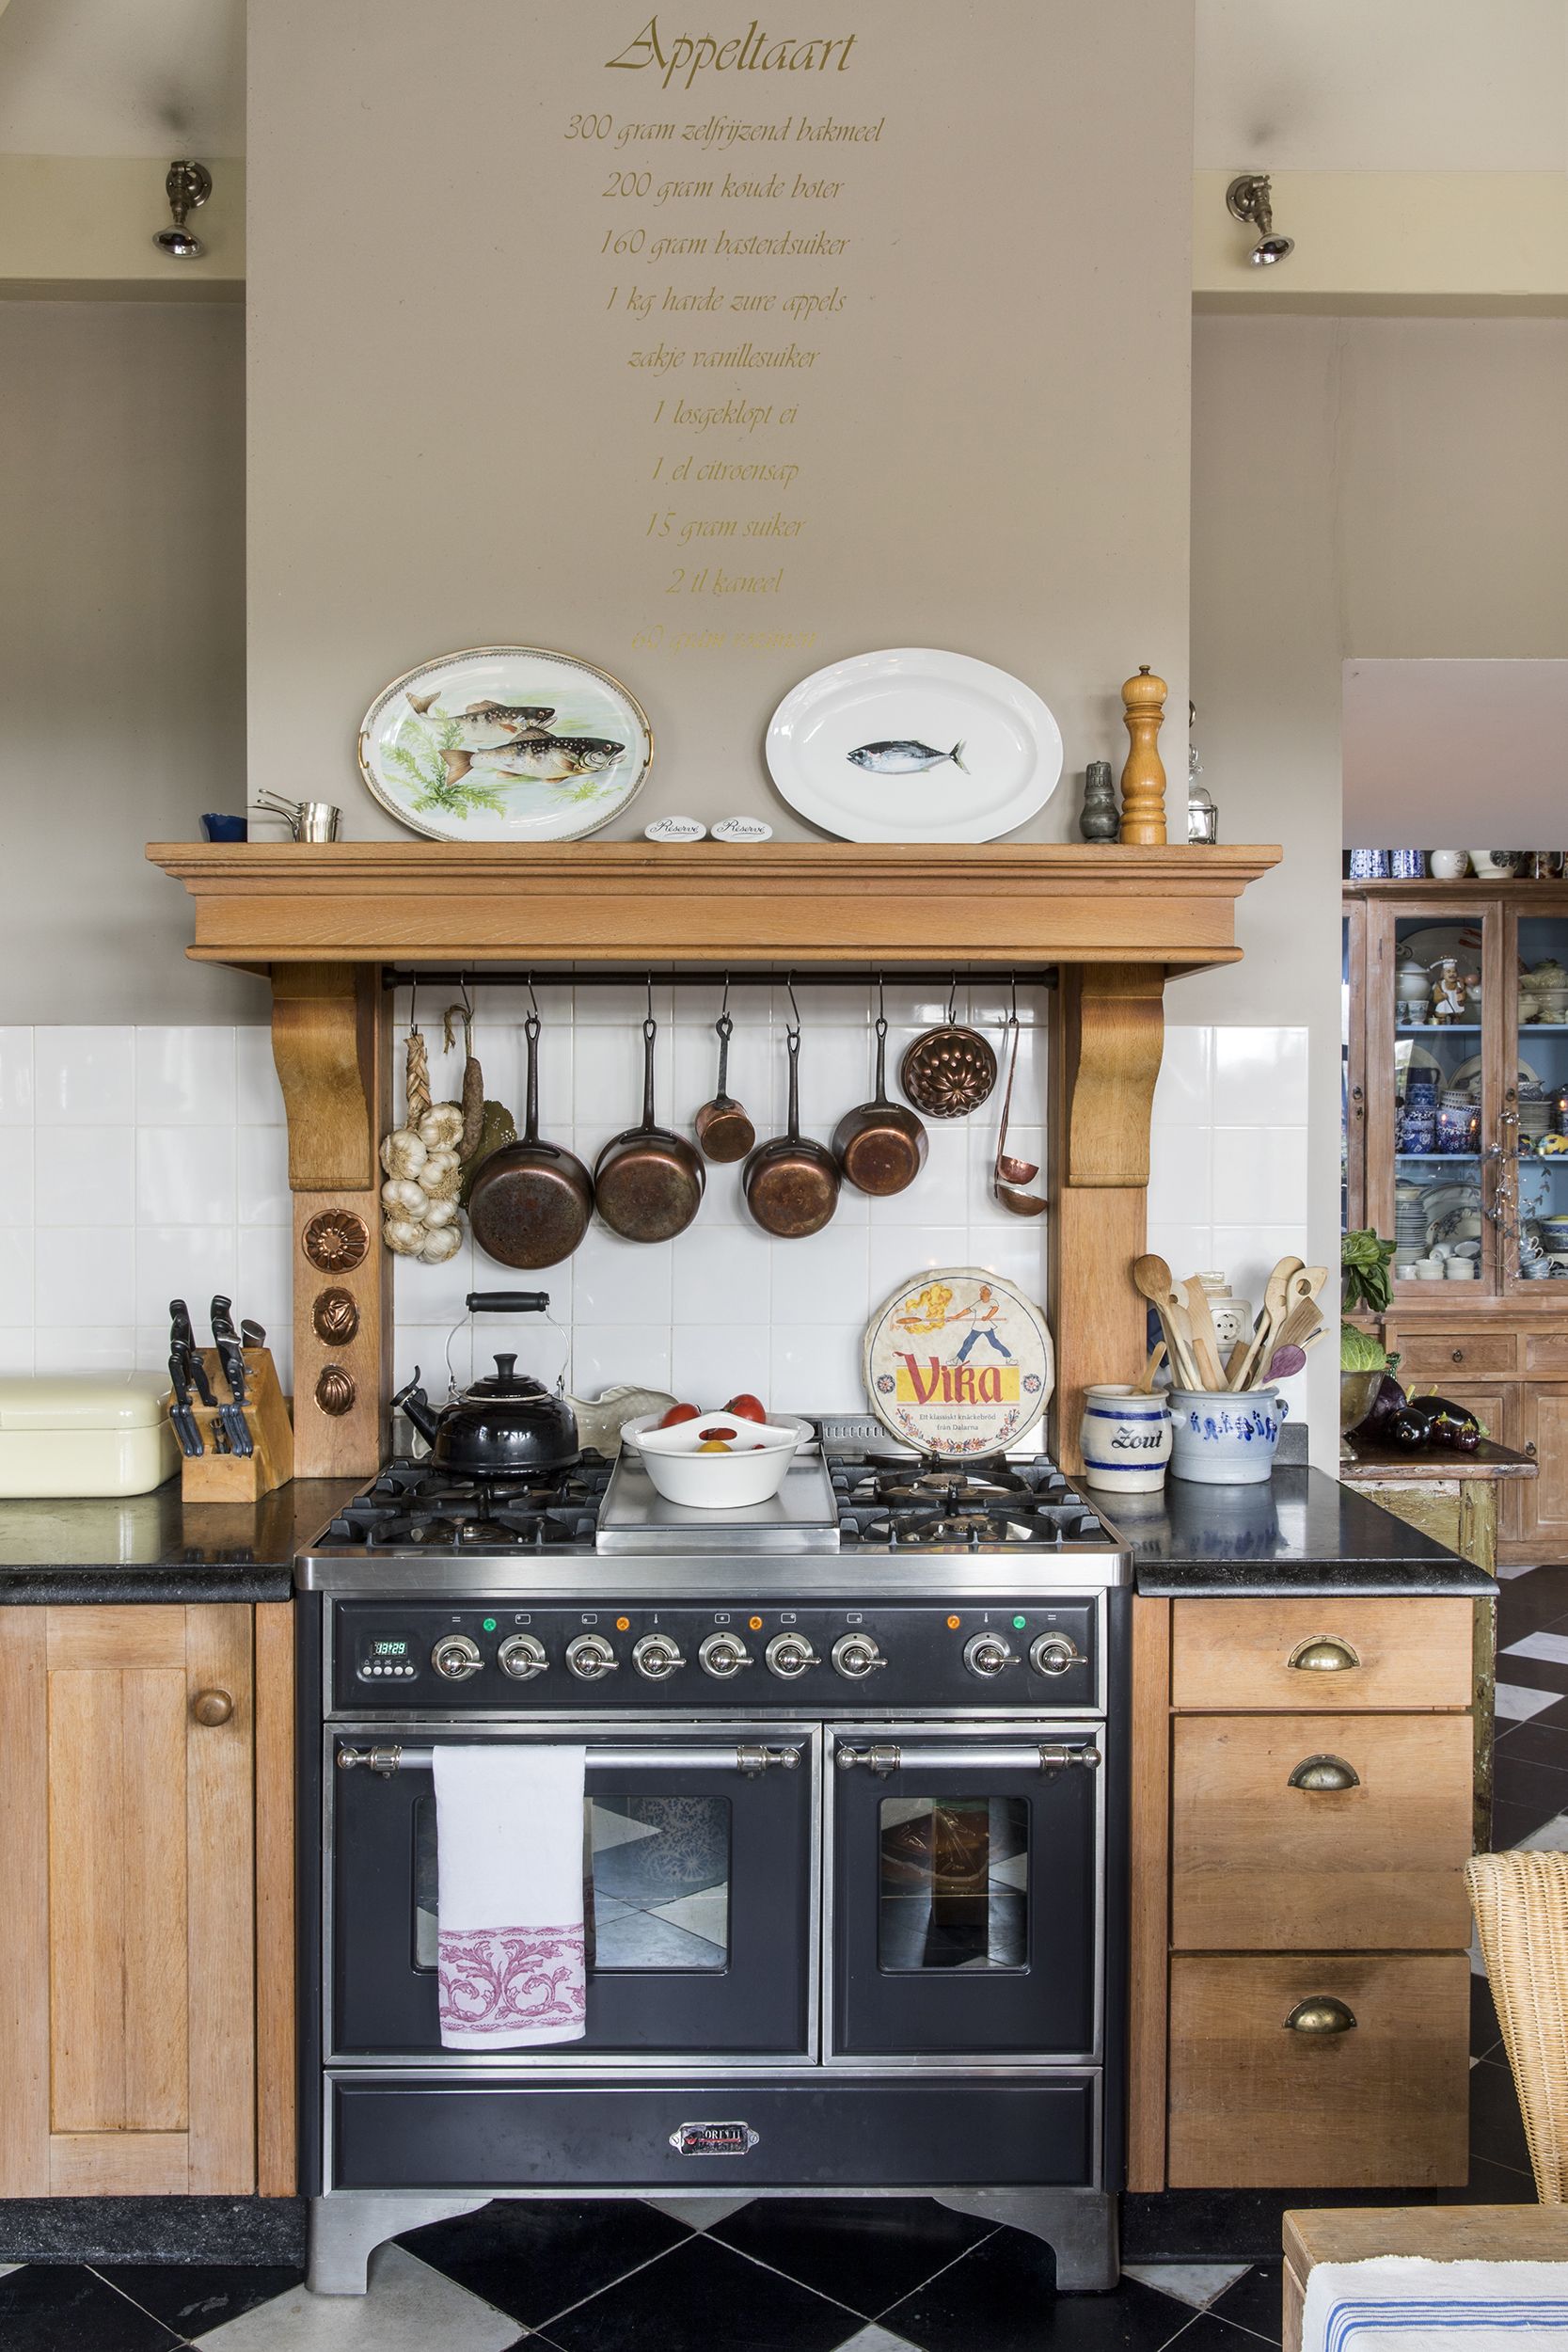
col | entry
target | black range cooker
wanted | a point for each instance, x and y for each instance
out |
(853, 1841)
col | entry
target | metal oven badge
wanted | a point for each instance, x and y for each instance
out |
(713, 2139)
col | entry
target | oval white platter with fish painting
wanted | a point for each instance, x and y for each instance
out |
(505, 743)
(914, 745)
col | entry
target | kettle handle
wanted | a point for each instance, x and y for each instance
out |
(509, 1302)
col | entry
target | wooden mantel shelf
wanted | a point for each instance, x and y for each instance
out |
(262, 903)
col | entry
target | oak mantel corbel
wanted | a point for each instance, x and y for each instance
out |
(1112, 922)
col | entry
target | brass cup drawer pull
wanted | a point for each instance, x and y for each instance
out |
(1322, 1654)
(211, 1706)
(1320, 2015)
(1324, 1772)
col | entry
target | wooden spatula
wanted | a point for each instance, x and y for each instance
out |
(1271, 1316)
(1206, 1344)
(1151, 1276)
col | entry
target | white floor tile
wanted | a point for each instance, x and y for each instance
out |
(876, 2339)
(1552, 1838)
(1517, 1705)
(705, 2213)
(1551, 1647)
(409, 2307)
(1197, 2284)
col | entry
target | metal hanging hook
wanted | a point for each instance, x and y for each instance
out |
(794, 1007)
(413, 1008)
(1012, 1017)
(531, 997)
(953, 1003)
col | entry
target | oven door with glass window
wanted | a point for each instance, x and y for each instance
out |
(700, 1879)
(966, 1890)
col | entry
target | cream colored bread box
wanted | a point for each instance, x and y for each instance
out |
(85, 1434)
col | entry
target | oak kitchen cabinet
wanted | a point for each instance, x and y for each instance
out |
(1301, 1816)
(1498, 1344)
(146, 1935)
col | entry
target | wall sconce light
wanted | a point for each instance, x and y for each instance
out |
(188, 186)
(1247, 199)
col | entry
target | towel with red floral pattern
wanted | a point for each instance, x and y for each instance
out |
(509, 1829)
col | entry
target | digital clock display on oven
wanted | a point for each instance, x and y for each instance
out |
(388, 1649)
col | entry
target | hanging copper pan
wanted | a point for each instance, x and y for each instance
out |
(648, 1181)
(792, 1182)
(723, 1129)
(531, 1201)
(880, 1147)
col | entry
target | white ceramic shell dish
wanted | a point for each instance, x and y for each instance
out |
(914, 745)
(715, 1481)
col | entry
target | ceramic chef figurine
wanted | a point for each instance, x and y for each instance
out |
(1100, 818)
(1449, 999)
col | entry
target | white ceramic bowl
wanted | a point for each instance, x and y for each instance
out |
(681, 1473)
(805, 1431)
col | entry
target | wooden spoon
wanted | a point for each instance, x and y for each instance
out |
(1145, 1381)
(1271, 1315)
(1151, 1276)
(1206, 1344)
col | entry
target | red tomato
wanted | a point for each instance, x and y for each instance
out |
(676, 1414)
(747, 1407)
(725, 1435)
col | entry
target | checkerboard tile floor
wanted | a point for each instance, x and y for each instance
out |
(797, 2275)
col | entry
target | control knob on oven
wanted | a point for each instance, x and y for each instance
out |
(722, 1655)
(986, 1653)
(657, 1655)
(1053, 1654)
(856, 1655)
(790, 1654)
(522, 1656)
(456, 1656)
(589, 1655)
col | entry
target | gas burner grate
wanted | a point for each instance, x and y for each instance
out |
(988, 1503)
(416, 1504)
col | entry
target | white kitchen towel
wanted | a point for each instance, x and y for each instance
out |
(510, 1949)
(1398, 2303)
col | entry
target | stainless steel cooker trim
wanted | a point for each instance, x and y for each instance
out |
(885, 1571)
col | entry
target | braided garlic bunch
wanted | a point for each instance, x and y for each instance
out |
(424, 1171)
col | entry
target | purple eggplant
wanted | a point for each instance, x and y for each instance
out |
(1388, 1400)
(1407, 1432)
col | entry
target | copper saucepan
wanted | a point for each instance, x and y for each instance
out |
(531, 1201)
(723, 1129)
(792, 1182)
(648, 1181)
(880, 1147)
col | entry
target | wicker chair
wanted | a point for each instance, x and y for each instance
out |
(1521, 1905)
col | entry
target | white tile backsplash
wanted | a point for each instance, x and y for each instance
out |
(158, 1166)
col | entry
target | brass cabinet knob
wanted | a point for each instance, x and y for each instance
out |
(1324, 1772)
(211, 1706)
(1320, 2015)
(1459, 1355)
(1322, 1654)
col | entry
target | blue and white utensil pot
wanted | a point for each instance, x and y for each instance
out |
(1221, 1440)
(1125, 1439)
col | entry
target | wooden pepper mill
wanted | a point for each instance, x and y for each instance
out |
(1143, 779)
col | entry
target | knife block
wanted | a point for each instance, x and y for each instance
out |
(214, 1477)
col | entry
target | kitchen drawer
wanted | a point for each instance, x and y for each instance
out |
(1395, 1653)
(1259, 1863)
(1255, 2103)
(1546, 1351)
(1433, 1356)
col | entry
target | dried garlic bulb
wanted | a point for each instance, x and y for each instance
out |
(441, 1129)
(438, 1213)
(441, 1176)
(402, 1195)
(403, 1153)
(445, 1242)
(404, 1234)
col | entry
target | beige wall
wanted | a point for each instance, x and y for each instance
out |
(1373, 486)
(121, 649)
(998, 456)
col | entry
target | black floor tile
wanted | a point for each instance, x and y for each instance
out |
(867, 2251)
(1254, 2301)
(703, 2296)
(1512, 1824)
(1496, 2127)
(1538, 1788)
(1529, 1744)
(192, 2297)
(531, 2259)
(1530, 1600)
(60, 2307)
(1485, 2034)
(1535, 1674)
(1210, 2334)
(1001, 2297)
(1491, 2185)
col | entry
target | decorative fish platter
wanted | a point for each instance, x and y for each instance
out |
(505, 743)
(914, 745)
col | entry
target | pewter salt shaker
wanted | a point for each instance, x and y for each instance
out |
(1100, 821)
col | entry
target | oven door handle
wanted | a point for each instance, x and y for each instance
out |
(1039, 1755)
(747, 1757)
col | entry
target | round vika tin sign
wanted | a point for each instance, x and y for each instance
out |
(957, 1363)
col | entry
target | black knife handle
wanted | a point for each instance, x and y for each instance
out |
(509, 1302)
(232, 1360)
(222, 1317)
(180, 1331)
(178, 1380)
(198, 1371)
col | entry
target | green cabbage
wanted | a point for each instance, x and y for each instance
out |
(1359, 1351)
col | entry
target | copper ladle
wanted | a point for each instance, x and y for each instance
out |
(1009, 1172)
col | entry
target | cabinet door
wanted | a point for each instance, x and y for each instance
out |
(127, 1933)
(1544, 1499)
(1533, 1092)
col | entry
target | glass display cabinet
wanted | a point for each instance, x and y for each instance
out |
(1455, 1089)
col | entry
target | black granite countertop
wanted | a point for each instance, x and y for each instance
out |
(158, 1547)
(1301, 1532)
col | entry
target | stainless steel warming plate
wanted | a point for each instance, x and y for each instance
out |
(856, 1784)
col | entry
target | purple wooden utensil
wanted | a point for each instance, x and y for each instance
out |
(1282, 1363)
